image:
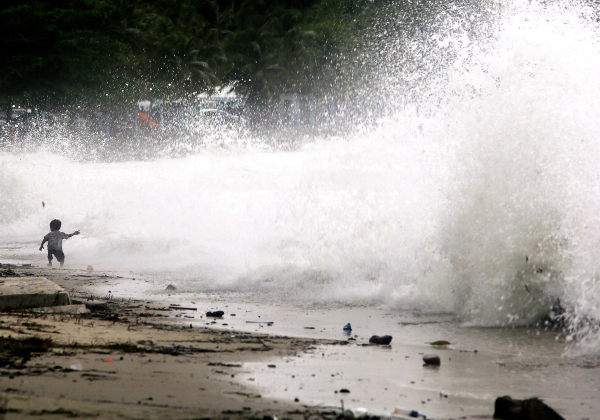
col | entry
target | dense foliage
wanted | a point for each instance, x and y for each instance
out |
(101, 53)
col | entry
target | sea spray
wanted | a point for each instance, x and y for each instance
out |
(477, 194)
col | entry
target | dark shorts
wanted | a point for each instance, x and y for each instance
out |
(60, 256)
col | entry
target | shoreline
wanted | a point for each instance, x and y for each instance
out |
(122, 363)
(167, 360)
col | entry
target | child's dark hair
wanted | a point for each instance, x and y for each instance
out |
(55, 224)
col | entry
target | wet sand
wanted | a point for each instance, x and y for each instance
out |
(126, 363)
(145, 358)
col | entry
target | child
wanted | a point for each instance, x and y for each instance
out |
(54, 239)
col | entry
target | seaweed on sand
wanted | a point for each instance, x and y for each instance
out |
(13, 350)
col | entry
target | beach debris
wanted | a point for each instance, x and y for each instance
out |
(506, 408)
(344, 391)
(309, 328)
(90, 268)
(96, 306)
(182, 308)
(269, 323)
(272, 366)
(440, 343)
(245, 394)
(170, 287)
(347, 327)
(357, 413)
(76, 365)
(360, 412)
(63, 309)
(237, 365)
(215, 314)
(402, 413)
(384, 339)
(431, 360)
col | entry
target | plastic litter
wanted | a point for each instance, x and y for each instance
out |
(76, 365)
(404, 414)
(360, 412)
(347, 327)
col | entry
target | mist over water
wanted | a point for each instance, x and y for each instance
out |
(477, 194)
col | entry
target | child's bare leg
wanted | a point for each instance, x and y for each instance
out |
(49, 262)
(62, 263)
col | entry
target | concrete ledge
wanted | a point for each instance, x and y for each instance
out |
(30, 292)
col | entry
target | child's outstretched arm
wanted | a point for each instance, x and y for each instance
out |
(43, 242)
(74, 233)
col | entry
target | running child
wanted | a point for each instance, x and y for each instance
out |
(54, 239)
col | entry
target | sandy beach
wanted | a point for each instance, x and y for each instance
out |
(124, 363)
(158, 356)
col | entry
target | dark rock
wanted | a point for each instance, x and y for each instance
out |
(506, 408)
(171, 287)
(432, 359)
(215, 314)
(384, 339)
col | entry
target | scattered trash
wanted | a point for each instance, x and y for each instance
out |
(245, 394)
(432, 359)
(215, 314)
(347, 327)
(96, 306)
(402, 413)
(90, 268)
(269, 323)
(272, 366)
(344, 391)
(170, 287)
(360, 412)
(384, 339)
(237, 365)
(107, 360)
(309, 328)
(182, 308)
(76, 366)
(440, 343)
